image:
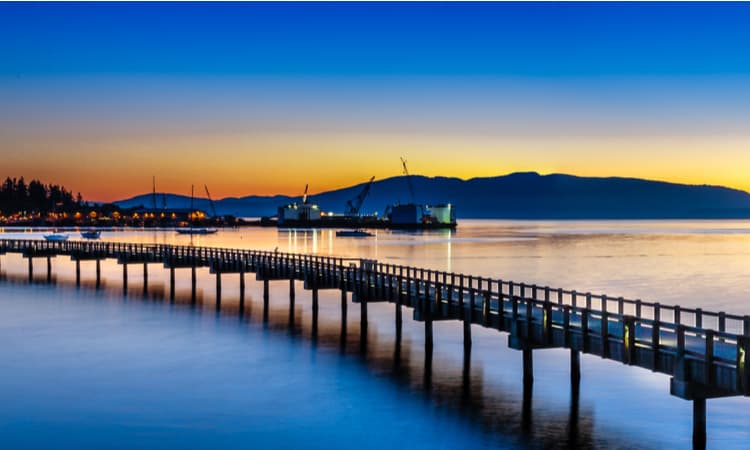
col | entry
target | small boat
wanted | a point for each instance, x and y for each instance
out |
(196, 230)
(91, 234)
(353, 233)
(56, 237)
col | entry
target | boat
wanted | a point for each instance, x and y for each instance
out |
(91, 234)
(197, 230)
(353, 233)
(56, 237)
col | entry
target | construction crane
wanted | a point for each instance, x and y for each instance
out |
(153, 191)
(213, 208)
(304, 196)
(408, 180)
(353, 205)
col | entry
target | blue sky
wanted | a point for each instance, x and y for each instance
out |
(336, 92)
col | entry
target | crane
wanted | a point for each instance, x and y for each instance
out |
(213, 208)
(153, 191)
(304, 196)
(353, 205)
(408, 180)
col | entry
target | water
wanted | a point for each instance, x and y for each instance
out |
(81, 368)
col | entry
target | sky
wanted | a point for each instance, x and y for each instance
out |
(257, 98)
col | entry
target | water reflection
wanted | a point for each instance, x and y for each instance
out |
(464, 393)
(692, 263)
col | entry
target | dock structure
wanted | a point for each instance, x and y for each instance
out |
(704, 352)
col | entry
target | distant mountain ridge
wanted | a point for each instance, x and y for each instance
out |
(522, 195)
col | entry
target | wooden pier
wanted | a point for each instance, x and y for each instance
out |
(705, 353)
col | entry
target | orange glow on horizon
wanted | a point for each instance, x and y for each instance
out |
(236, 165)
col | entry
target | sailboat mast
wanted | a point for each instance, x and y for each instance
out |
(192, 194)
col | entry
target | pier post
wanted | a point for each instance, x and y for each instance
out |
(98, 273)
(426, 304)
(528, 390)
(344, 323)
(575, 394)
(49, 269)
(315, 312)
(344, 305)
(575, 368)
(242, 287)
(427, 375)
(528, 366)
(78, 272)
(125, 277)
(363, 311)
(265, 300)
(315, 303)
(193, 282)
(291, 302)
(467, 334)
(145, 278)
(31, 269)
(218, 290)
(466, 375)
(171, 284)
(699, 423)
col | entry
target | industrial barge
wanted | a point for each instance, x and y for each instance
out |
(409, 216)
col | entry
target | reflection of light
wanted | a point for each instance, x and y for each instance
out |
(449, 254)
(330, 241)
(315, 241)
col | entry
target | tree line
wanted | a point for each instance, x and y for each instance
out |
(36, 197)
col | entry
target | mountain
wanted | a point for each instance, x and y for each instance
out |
(526, 195)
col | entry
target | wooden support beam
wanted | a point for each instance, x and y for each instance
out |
(699, 423)
(575, 367)
(171, 283)
(265, 300)
(528, 366)
(193, 282)
(218, 290)
(125, 277)
(145, 278)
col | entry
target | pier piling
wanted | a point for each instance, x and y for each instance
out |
(575, 368)
(699, 424)
(145, 278)
(125, 277)
(528, 366)
(171, 284)
(193, 282)
(265, 300)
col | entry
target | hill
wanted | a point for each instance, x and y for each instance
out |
(525, 195)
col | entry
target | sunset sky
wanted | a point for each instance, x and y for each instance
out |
(263, 99)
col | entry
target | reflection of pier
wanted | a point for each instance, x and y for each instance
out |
(704, 352)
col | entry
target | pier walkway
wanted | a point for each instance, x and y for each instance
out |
(704, 352)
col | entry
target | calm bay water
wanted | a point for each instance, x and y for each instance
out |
(81, 368)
